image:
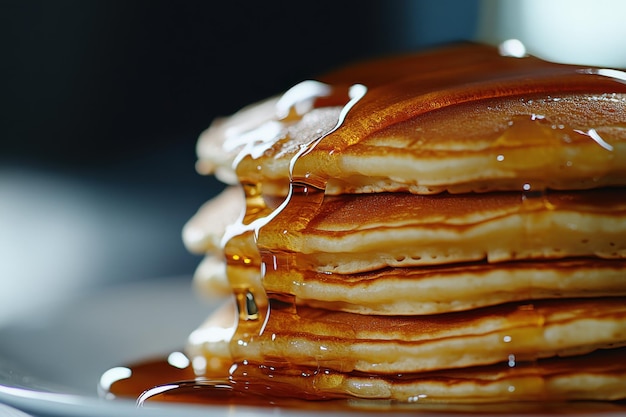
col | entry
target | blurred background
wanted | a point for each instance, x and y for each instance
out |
(103, 101)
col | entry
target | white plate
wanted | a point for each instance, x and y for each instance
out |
(50, 363)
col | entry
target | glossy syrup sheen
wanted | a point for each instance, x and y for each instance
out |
(463, 109)
(385, 98)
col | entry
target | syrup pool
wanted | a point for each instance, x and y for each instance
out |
(173, 380)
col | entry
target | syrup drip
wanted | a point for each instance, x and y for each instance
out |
(243, 262)
(248, 260)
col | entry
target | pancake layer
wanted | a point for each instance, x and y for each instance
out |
(599, 376)
(459, 287)
(358, 233)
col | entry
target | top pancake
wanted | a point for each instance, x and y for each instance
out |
(460, 119)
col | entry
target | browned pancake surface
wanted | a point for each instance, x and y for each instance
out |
(597, 376)
(447, 288)
(357, 233)
(390, 344)
(460, 119)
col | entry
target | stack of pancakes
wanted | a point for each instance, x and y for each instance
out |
(446, 226)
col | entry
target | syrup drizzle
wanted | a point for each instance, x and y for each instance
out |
(244, 382)
(239, 242)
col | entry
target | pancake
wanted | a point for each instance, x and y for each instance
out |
(357, 233)
(205, 231)
(442, 289)
(475, 121)
(406, 344)
(548, 143)
(599, 376)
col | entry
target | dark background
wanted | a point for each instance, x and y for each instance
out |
(102, 103)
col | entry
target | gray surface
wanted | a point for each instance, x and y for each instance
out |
(66, 348)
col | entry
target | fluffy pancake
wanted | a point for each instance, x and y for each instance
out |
(349, 342)
(205, 230)
(473, 120)
(489, 143)
(356, 233)
(441, 289)
(597, 376)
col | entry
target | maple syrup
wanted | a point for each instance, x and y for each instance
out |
(156, 381)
